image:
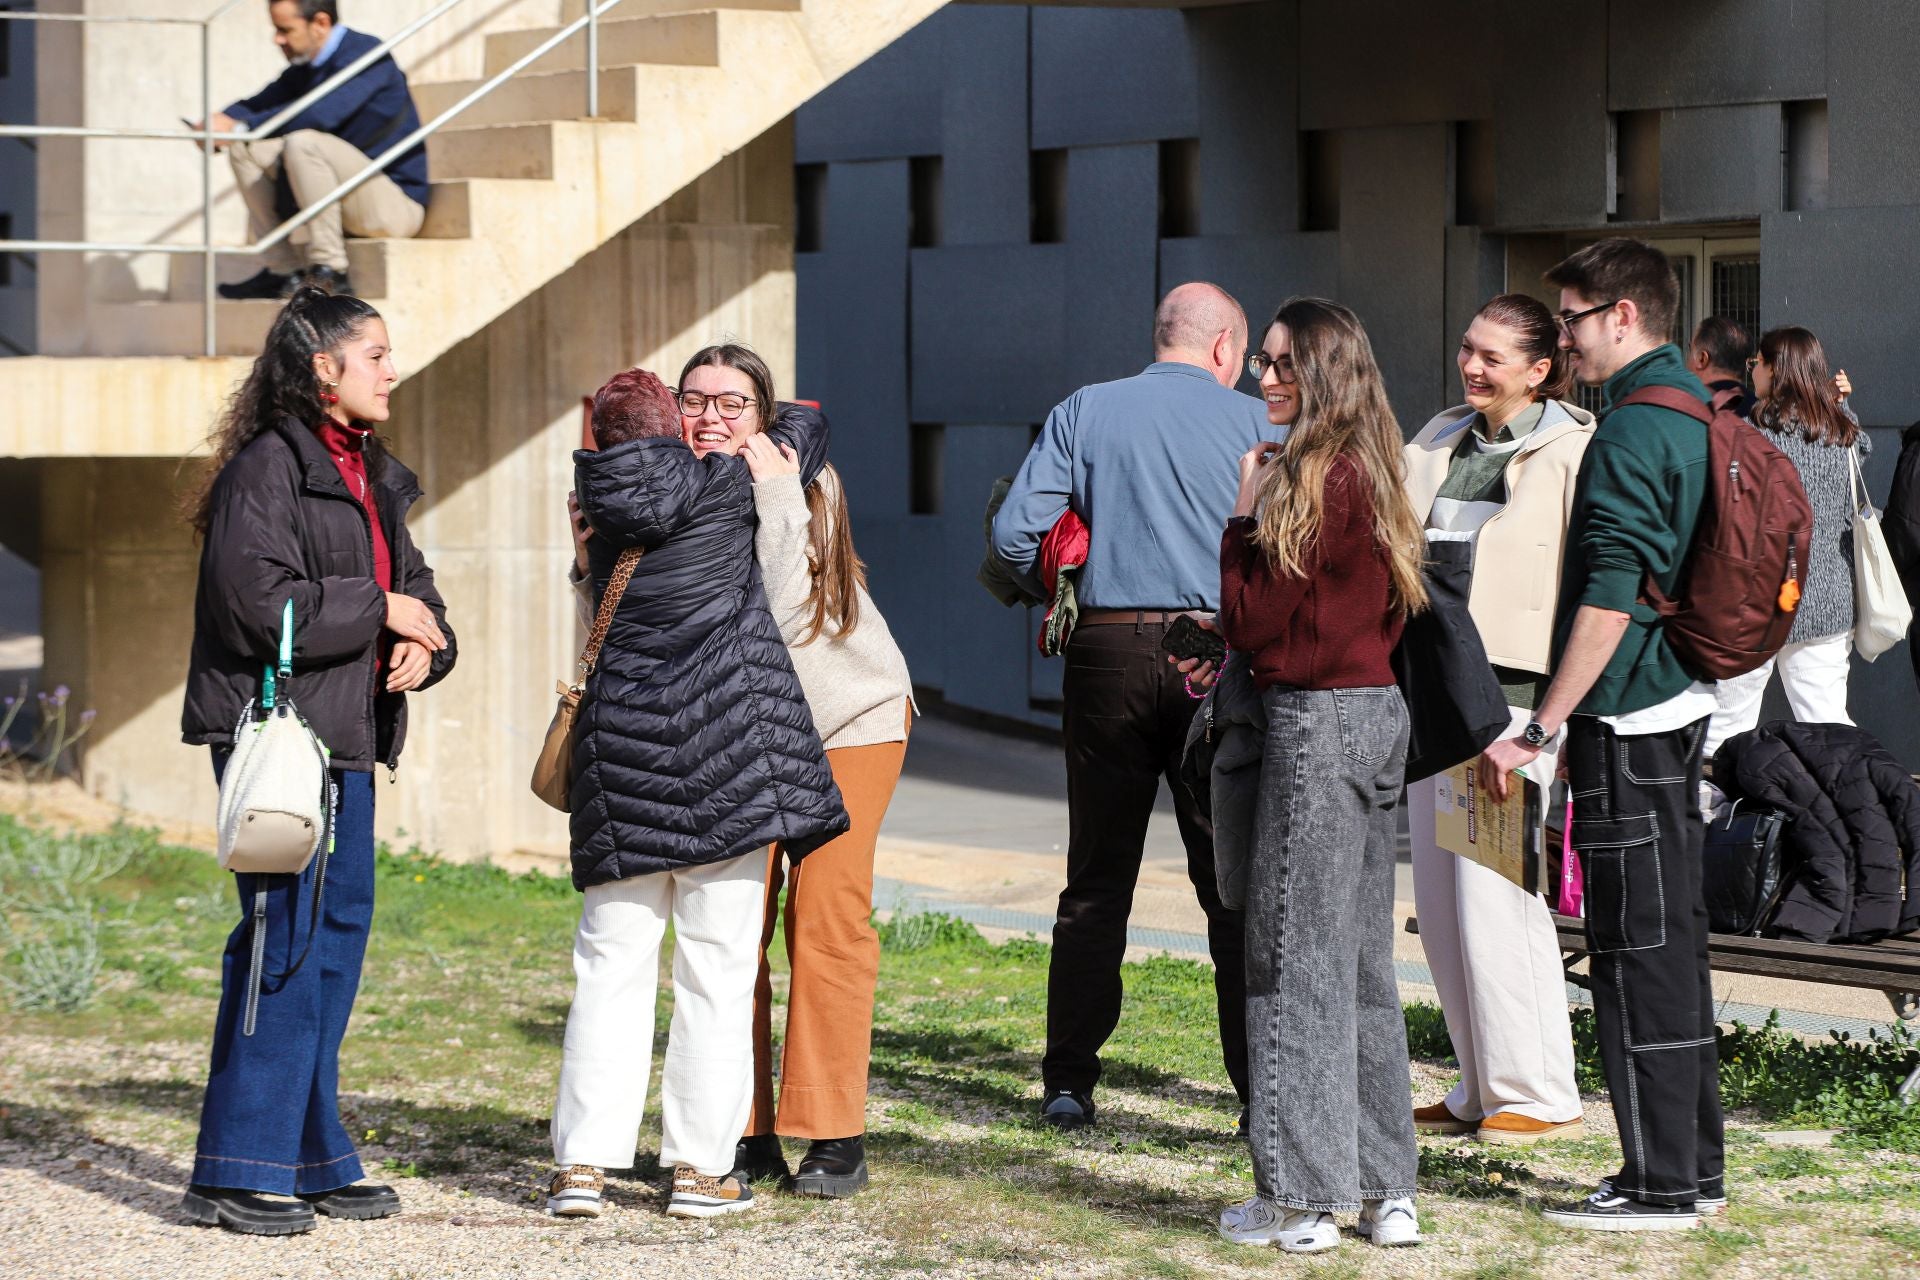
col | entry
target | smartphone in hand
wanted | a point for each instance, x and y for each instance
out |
(1186, 638)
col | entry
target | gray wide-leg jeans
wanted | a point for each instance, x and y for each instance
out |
(1332, 1118)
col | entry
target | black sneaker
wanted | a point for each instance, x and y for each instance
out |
(832, 1168)
(362, 1202)
(758, 1160)
(264, 283)
(326, 278)
(1608, 1210)
(1065, 1109)
(247, 1212)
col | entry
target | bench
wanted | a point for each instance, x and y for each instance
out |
(1891, 966)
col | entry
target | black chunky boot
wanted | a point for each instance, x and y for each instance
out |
(247, 1212)
(833, 1168)
(759, 1161)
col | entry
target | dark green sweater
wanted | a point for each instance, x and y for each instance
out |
(1638, 501)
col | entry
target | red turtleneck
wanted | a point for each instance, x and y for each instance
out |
(347, 447)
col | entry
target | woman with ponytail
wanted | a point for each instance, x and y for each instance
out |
(301, 502)
(1494, 481)
(1320, 568)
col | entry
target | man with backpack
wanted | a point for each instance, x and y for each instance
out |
(1635, 717)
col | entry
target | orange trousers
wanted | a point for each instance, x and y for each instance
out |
(834, 954)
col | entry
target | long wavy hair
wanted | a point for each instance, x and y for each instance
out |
(281, 384)
(838, 575)
(1802, 395)
(1343, 412)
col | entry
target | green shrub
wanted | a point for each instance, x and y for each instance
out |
(1427, 1038)
(925, 929)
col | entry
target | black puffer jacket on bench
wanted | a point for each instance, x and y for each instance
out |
(1854, 841)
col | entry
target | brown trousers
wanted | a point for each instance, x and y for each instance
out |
(834, 954)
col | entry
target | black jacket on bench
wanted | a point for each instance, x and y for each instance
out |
(1854, 839)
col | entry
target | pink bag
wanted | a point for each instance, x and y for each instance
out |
(1572, 884)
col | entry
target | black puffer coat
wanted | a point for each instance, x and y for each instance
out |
(285, 525)
(1854, 839)
(694, 742)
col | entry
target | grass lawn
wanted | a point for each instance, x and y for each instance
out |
(448, 1073)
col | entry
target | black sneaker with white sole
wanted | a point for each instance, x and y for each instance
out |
(1607, 1210)
(1065, 1109)
(247, 1212)
(1705, 1206)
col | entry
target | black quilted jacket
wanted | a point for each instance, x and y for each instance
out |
(694, 742)
(1854, 840)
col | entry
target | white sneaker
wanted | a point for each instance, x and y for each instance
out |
(575, 1191)
(1389, 1223)
(1294, 1230)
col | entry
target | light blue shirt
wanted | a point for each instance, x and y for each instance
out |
(331, 47)
(1151, 463)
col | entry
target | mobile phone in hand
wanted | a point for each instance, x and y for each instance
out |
(1186, 638)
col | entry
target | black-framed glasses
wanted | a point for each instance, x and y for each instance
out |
(727, 404)
(1568, 321)
(1753, 360)
(1259, 362)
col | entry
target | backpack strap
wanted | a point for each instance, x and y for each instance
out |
(1672, 398)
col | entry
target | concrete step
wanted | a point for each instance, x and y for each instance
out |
(493, 151)
(480, 206)
(563, 95)
(684, 39)
(173, 328)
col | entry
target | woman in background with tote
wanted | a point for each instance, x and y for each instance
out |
(302, 502)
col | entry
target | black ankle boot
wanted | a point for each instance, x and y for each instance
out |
(363, 1201)
(758, 1160)
(247, 1212)
(832, 1168)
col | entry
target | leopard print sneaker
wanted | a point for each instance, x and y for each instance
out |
(575, 1191)
(695, 1195)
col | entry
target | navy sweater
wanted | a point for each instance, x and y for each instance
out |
(373, 110)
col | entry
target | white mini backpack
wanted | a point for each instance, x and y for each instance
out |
(276, 803)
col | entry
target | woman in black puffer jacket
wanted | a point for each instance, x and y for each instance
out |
(693, 751)
(302, 503)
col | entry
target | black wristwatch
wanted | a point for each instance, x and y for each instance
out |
(1535, 735)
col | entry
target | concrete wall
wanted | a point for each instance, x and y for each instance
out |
(1406, 157)
(139, 192)
(490, 427)
(17, 205)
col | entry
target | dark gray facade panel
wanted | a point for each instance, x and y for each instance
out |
(1550, 118)
(1873, 98)
(1662, 54)
(889, 107)
(1393, 62)
(861, 280)
(1476, 271)
(983, 639)
(988, 333)
(1260, 272)
(907, 577)
(1102, 75)
(1393, 215)
(984, 124)
(812, 343)
(1847, 274)
(1720, 163)
(1249, 118)
(1112, 262)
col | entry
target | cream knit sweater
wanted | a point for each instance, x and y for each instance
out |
(857, 685)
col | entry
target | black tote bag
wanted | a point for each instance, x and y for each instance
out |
(1455, 706)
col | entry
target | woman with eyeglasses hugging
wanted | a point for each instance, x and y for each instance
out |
(857, 686)
(1804, 413)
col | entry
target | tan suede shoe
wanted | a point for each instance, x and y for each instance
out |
(1510, 1130)
(1439, 1119)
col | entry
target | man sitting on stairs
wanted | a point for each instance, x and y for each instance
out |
(320, 148)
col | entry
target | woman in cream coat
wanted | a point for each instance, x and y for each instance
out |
(1498, 473)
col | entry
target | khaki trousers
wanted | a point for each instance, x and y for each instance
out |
(315, 163)
(834, 954)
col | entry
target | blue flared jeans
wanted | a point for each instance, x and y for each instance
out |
(270, 1121)
(1332, 1116)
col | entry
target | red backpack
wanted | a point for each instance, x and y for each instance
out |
(1740, 587)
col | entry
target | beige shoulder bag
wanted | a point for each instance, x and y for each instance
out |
(553, 771)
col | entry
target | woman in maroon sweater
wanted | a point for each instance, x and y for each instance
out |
(1320, 567)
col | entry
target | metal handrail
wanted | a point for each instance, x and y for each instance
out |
(206, 136)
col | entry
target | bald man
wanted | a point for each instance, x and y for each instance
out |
(1151, 463)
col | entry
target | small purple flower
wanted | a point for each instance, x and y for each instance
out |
(86, 717)
(61, 695)
(10, 702)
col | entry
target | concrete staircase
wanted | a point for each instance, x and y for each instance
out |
(523, 189)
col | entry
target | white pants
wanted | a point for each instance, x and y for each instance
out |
(1495, 959)
(1814, 675)
(706, 1085)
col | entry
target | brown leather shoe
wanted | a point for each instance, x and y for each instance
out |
(1438, 1118)
(1510, 1130)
